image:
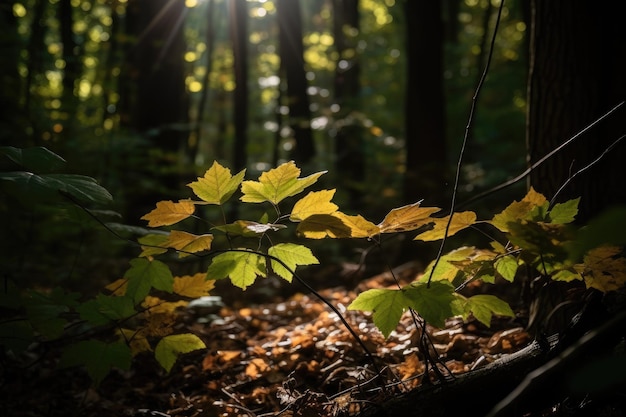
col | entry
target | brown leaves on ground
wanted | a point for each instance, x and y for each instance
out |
(293, 356)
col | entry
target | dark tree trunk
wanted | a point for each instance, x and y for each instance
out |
(239, 38)
(425, 176)
(35, 65)
(350, 162)
(156, 103)
(9, 78)
(577, 67)
(292, 68)
(71, 56)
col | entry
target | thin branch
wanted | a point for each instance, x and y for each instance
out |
(465, 139)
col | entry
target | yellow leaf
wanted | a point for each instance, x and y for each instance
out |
(605, 269)
(168, 212)
(277, 184)
(155, 305)
(320, 226)
(406, 218)
(460, 221)
(217, 185)
(188, 242)
(316, 202)
(534, 198)
(194, 286)
(137, 341)
(118, 287)
(518, 210)
(359, 226)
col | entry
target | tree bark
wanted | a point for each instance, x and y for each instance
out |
(292, 67)
(350, 159)
(577, 62)
(426, 150)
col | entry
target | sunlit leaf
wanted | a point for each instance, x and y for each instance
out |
(145, 274)
(565, 212)
(386, 305)
(217, 185)
(433, 303)
(483, 307)
(406, 218)
(506, 266)
(446, 268)
(171, 347)
(459, 222)
(359, 226)
(193, 286)
(320, 226)
(518, 210)
(188, 242)
(277, 184)
(316, 202)
(292, 255)
(97, 357)
(168, 212)
(242, 267)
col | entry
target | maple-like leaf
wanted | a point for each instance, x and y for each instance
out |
(136, 341)
(484, 306)
(316, 202)
(194, 286)
(97, 357)
(277, 184)
(447, 268)
(145, 274)
(156, 305)
(320, 226)
(105, 309)
(433, 302)
(153, 244)
(519, 210)
(217, 185)
(460, 221)
(242, 267)
(44, 309)
(605, 268)
(292, 255)
(406, 218)
(386, 305)
(168, 212)
(170, 347)
(189, 243)
(507, 266)
(358, 225)
(564, 213)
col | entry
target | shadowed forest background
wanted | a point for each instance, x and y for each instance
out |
(144, 95)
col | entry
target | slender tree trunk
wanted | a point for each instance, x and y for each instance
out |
(239, 38)
(577, 68)
(425, 176)
(350, 160)
(292, 65)
(35, 65)
(10, 79)
(72, 69)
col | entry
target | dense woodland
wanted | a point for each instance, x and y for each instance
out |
(456, 104)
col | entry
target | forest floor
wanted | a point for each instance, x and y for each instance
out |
(290, 356)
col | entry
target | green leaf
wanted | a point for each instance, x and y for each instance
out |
(277, 184)
(97, 357)
(85, 189)
(37, 159)
(518, 210)
(506, 266)
(292, 255)
(446, 270)
(242, 267)
(564, 213)
(483, 307)
(104, 309)
(43, 310)
(433, 303)
(386, 305)
(170, 347)
(145, 274)
(217, 185)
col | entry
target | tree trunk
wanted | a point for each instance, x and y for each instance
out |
(349, 162)
(425, 176)
(10, 79)
(239, 38)
(292, 66)
(577, 66)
